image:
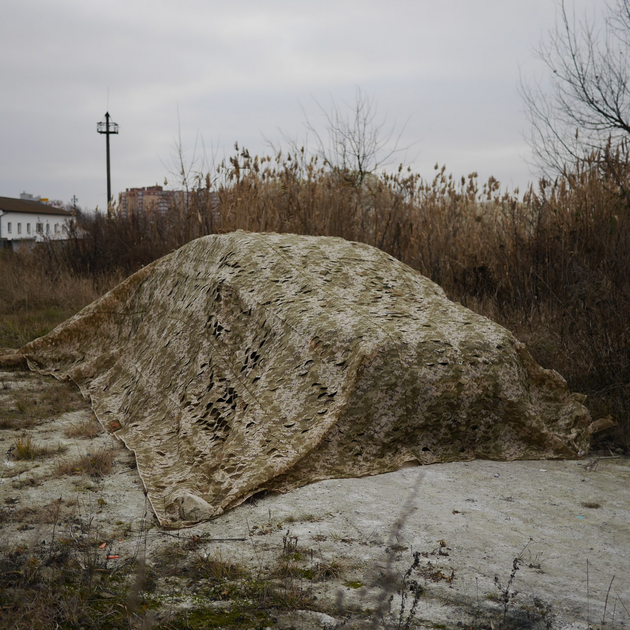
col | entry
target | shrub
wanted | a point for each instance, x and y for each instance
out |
(553, 265)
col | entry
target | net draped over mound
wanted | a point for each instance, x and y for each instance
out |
(244, 362)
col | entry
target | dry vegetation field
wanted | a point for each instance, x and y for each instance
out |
(424, 547)
(551, 265)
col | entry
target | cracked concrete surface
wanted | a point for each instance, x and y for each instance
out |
(467, 522)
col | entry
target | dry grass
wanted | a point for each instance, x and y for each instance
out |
(66, 584)
(24, 448)
(36, 399)
(288, 569)
(329, 570)
(46, 514)
(34, 299)
(552, 265)
(87, 429)
(98, 464)
(213, 569)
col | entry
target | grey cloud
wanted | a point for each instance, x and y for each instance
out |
(238, 71)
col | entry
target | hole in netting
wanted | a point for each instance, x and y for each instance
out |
(426, 449)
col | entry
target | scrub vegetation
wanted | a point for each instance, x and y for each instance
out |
(78, 549)
(552, 264)
(76, 578)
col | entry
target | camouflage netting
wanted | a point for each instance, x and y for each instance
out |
(244, 362)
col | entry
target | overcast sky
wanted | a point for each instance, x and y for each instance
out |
(246, 70)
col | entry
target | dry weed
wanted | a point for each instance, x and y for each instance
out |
(98, 464)
(329, 570)
(552, 265)
(214, 569)
(35, 297)
(87, 429)
(24, 448)
(37, 399)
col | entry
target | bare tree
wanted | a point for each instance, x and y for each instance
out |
(587, 108)
(186, 171)
(357, 141)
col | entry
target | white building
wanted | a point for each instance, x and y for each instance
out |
(25, 221)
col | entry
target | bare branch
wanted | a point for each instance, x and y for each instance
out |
(588, 103)
(358, 141)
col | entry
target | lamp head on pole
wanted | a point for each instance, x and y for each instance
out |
(105, 126)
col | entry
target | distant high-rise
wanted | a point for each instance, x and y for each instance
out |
(152, 200)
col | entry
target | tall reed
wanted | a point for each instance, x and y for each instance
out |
(553, 265)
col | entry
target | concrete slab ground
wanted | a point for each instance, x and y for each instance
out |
(483, 544)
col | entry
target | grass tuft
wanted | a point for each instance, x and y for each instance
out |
(87, 429)
(24, 448)
(98, 464)
(329, 570)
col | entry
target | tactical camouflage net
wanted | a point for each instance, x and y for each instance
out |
(244, 362)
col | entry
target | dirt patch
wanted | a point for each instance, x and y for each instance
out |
(480, 544)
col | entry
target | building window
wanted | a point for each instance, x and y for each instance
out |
(9, 227)
(47, 229)
(56, 228)
(19, 228)
(28, 228)
(40, 228)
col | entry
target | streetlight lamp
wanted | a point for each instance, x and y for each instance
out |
(108, 128)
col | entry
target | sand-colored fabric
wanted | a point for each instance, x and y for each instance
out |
(244, 362)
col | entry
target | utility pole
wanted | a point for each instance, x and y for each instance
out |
(108, 128)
